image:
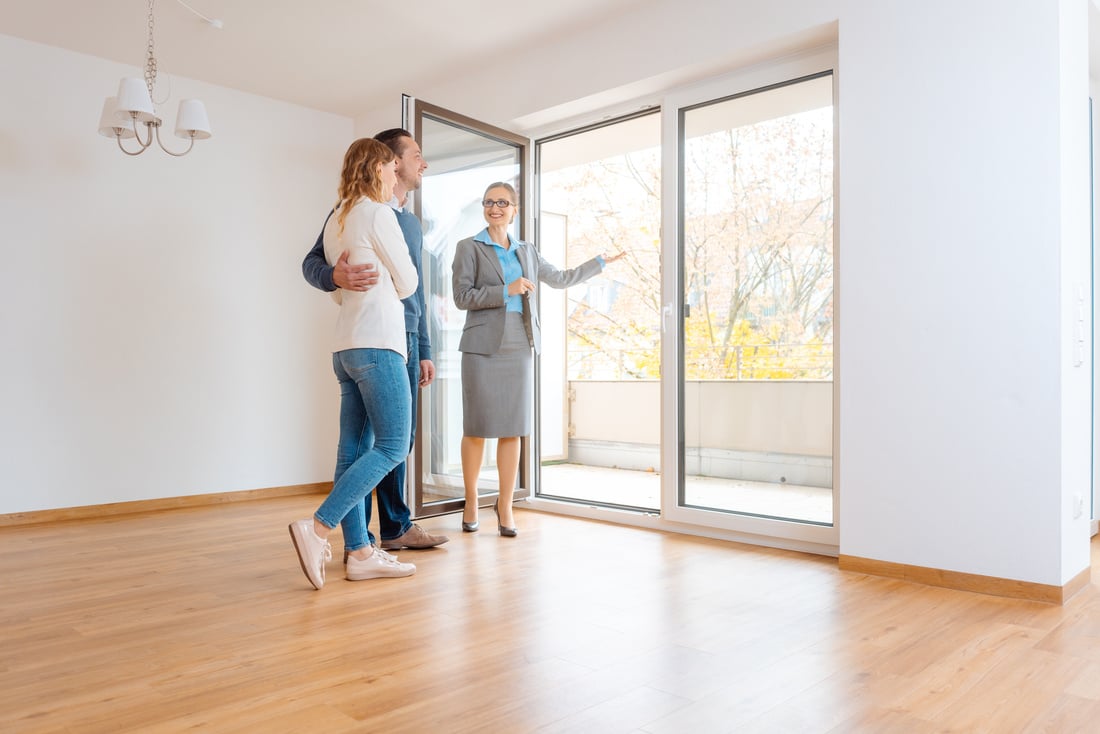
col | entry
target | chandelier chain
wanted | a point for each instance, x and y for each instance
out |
(150, 60)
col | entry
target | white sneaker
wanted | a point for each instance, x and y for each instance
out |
(313, 551)
(378, 565)
(387, 556)
(347, 554)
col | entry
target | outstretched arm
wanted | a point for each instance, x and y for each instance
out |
(555, 278)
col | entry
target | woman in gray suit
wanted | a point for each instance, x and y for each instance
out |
(493, 278)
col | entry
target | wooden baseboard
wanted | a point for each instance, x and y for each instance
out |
(991, 585)
(166, 503)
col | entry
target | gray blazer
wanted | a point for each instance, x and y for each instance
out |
(477, 283)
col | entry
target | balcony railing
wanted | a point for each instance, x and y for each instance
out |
(810, 362)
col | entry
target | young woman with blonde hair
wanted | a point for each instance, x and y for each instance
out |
(368, 358)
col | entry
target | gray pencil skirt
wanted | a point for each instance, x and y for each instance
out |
(498, 389)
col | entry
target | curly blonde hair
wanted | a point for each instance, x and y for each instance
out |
(359, 177)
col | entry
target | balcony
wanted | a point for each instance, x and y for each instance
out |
(752, 447)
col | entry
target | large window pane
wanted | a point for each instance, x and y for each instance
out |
(758, 287)
(599, 192)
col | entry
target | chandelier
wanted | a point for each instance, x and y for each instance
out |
(125, 114)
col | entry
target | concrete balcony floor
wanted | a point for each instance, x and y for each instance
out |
(642, 489)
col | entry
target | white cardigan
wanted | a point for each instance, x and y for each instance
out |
(374, 318)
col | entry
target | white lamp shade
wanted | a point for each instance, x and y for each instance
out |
(133, 97)
(110, 124)
(191, 120)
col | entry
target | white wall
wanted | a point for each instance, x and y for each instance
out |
(1075, 260)
(1094, 92)
(962, 139)
(158, 338)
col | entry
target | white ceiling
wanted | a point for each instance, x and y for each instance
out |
(341, 56)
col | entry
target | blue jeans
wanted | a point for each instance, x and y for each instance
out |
(374, 411)
(393, 514)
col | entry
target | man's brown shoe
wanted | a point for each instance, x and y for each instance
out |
(415, 538)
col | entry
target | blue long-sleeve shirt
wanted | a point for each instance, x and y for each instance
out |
(318, 273)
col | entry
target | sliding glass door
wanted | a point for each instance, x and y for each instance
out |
(695, 378)
(749, 304)
(599, 192)
(758, 295)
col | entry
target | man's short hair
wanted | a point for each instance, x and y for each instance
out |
(394, 138)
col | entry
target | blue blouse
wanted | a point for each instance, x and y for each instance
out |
(509, 265)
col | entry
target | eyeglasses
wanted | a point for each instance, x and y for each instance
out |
(499, 203)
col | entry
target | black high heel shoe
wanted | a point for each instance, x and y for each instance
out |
(471, 527)
(505, 532)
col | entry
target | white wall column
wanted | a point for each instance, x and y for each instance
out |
(963, 136)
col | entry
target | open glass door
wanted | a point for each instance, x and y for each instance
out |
(464, 156)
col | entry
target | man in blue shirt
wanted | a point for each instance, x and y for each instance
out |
(394, 523)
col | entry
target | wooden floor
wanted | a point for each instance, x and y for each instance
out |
(201, 619)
